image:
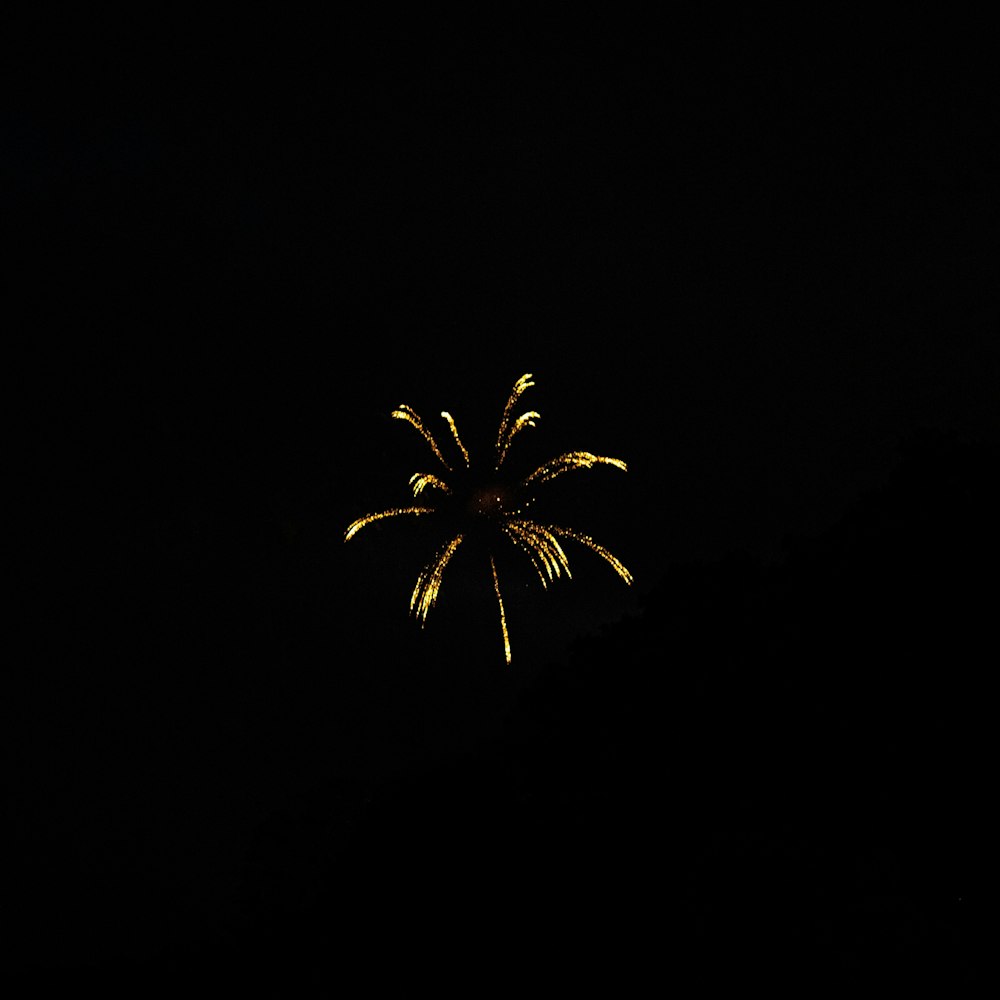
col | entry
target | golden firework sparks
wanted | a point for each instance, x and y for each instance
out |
(491, 502)
(355, 526)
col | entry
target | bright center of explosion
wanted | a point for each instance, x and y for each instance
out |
(489, 501)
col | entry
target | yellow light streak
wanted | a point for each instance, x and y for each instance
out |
(503, 617)
(404, 412)
(454, 433)
(609, 557)
(505, 434)
(355, 526)
(568, 462)
(425, 593)
(419, 481)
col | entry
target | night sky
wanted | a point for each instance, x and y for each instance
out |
(761, 271)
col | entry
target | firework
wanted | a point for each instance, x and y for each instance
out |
(493, 506)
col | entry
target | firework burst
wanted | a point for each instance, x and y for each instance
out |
(489, 506)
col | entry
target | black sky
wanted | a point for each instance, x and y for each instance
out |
(762, 272)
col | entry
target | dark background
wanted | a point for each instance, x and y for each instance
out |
(759, 267)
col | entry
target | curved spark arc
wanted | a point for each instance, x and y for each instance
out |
(454, 433)
(419, 481)
(525, 420)
(542, 542)
(615, 563)
(425, 593)
(407, 413)
(531, 551)
(506, 434)
(569, 461)
(355, 526)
